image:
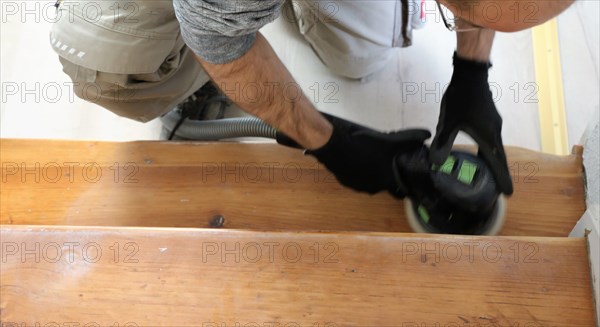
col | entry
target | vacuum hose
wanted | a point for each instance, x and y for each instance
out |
(210, 130)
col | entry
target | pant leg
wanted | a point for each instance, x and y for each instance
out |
(356, 38)
(126, 56)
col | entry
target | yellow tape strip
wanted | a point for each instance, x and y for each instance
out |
(551, 105)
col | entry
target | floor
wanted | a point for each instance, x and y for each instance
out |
(37, 102)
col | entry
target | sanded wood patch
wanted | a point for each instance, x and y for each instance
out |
(241, 186)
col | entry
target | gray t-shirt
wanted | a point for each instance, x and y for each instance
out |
(221, 31)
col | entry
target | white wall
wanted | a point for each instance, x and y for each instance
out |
(579, 29)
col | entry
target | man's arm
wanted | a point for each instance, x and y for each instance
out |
(504, 15)
(474, 43)
(467, 105)
(360, 158)
(293, 114)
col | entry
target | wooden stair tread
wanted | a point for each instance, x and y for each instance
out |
(170, 184)
(180, 277)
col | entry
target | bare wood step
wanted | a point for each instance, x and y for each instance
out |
(178, 277)
(241, 186)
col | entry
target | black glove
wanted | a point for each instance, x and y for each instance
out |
(362, 158)
(467, 105)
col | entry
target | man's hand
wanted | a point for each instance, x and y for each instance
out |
(467, 105)
(362, 158)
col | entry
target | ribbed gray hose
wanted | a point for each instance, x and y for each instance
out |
(208, 130)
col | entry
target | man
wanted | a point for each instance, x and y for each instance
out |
(136, 54)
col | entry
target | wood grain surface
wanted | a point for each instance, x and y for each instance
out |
(241, 186)
(204, 277)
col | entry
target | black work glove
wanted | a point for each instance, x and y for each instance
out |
(362, 158)
(467, 105)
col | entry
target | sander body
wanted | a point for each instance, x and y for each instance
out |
(458, 197)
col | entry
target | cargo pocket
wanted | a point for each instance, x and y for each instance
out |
(119, 37)
(338, 42)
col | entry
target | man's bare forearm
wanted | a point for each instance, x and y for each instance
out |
(293, 114)
(474, 43)
(505, 15)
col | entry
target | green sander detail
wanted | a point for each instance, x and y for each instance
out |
(457, 197)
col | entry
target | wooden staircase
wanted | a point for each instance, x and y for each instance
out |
(230, 234)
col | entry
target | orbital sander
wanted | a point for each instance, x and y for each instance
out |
(457, 197)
